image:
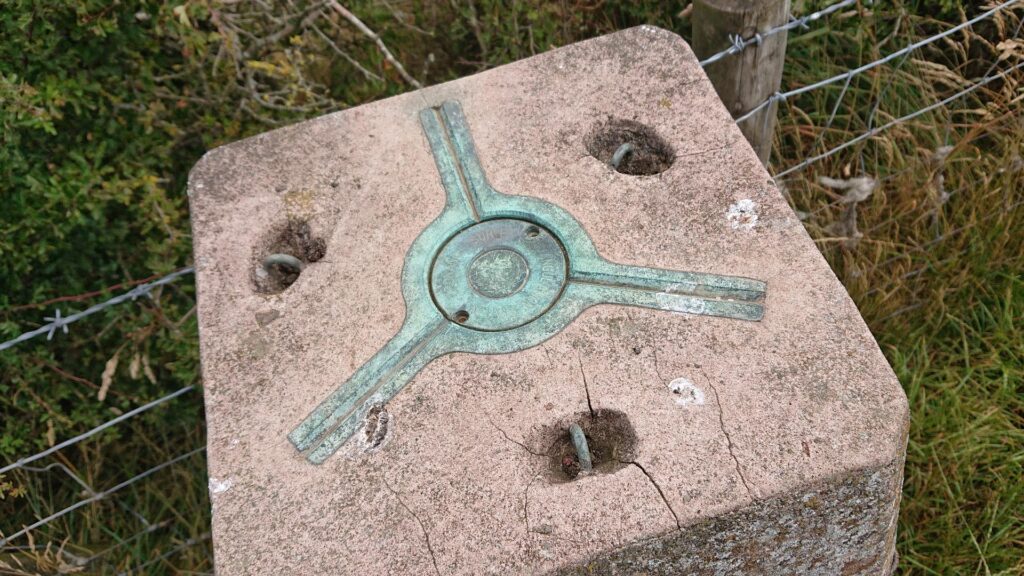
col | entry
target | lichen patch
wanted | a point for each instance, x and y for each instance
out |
(742, 215)
(216, 486)
(686, 393)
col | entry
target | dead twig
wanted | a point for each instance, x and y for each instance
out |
(355, 21)
(368, 74)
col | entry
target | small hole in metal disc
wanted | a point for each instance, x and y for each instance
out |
(532, 232)
(461, 317)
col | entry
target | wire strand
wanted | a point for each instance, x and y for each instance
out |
(58, 322)
(741, 44)
(184, 545)
(781, 96)
(99, 496)
(145, 407)
(900, 120)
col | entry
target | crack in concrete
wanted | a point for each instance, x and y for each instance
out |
(728, 438)
(658, 488)
(547, 355)
(514, 441)
(526, 503)
(426, 535)
(586, 387)
(657, 369)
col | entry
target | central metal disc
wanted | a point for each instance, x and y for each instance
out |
(498, 274)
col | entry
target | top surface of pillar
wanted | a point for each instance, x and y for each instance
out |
(475, 277)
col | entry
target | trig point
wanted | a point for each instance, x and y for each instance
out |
(554, 318)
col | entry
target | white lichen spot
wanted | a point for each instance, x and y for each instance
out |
(218, 486)
(686, 392)
(742, 215)
(941, 153)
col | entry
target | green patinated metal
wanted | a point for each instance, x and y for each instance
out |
(496, 273)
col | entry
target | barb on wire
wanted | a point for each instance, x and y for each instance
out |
(906, 118)
(845, 76)
(99, 496)
(57, 447)
(58, 322)
(740, 44)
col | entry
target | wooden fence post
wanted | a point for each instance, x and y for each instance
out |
(746, 79)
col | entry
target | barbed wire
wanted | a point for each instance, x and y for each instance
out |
(59, 322)
(905, 118)
(936, 158)
(96, 497)
(145, 407)
(782, 96)
(740, 44)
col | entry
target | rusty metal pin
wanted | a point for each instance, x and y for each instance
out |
(284, 261)
(621, 153)
(579, 441)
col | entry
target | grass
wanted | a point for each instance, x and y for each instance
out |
(934, 265)
(936, 272)
(963, 490)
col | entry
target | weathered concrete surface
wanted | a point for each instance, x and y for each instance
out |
(782, 453)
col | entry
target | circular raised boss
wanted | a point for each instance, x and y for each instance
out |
(498, 274)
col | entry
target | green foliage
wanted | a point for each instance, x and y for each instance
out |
(91, 195)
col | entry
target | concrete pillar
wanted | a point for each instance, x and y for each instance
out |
(365, 420)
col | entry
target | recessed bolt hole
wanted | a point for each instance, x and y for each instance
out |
(609, 436)
(461, 317)
(532, 232)
(282, 268)
(630, 147)
(284, 254)
(376, 427)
